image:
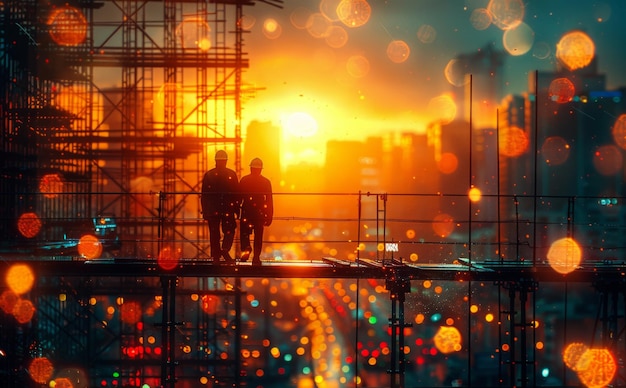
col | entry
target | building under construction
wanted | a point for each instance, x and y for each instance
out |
(111, 112)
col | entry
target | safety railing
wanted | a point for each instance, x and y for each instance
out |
(422, 228)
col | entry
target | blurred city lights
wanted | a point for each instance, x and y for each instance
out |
(51, 185)
(89, 247)
(29, 224)
(513, 142)
(20, 278)
(40, 370)
(619, 131)
(506, 14)
(564, 255)
(68, 26)
(555, 150)
(354, 13)
(575, 50)
(448, 339)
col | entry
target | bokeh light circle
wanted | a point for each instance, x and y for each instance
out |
(209, 303)
(443, 108)
(480, 19)
(23, 311)
(619, 131)
(8, 300)
(168, 258)
(299, 17)
(29, 225)
(67, 26)
(572, 354)
(608, 160)
(426, 34)
(447, 163)
(40, 370)
(561, 90)
(474, 194)
(246, 22)
(130, 312)
(272, 29)
(20, 278)
(564, 255)
(541, 50)
(456, 72)
(328, 8)
(358, 66)
(596, 368)
(317, 25)
(194, 33)
(336, 36)
(555, 150)
(506, 14)
(354, 13)
(513, 142)
(519, 40)
(447, 339)
(398, 51)
(575, 50)
(51, 185)
(62, 382)
(89, 247)
(443, 225)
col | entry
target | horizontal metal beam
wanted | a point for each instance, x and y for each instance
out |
(325, 268)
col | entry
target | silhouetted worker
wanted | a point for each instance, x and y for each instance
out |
(257, 210)
(220, 206)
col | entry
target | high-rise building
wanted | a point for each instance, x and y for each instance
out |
(578, 167)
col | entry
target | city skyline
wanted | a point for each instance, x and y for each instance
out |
(299, 72)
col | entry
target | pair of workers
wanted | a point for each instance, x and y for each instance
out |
(225, 199)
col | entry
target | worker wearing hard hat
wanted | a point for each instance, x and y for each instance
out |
(220, 206)
(257, 210)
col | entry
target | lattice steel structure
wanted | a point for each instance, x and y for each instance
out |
(70, 128)
(80, 152)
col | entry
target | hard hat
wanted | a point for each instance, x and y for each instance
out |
(221, 155)
(256, 163)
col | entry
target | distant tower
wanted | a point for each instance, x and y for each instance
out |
(485, 67)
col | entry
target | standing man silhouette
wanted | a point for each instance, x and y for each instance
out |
(220, 206)
(257, 210)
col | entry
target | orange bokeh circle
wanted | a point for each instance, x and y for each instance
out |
(29, 225)
(40, 370)
(448, 339)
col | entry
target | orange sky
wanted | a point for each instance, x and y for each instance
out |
(301, 72)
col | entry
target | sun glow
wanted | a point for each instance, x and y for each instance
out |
(299, 124)
(301, 140)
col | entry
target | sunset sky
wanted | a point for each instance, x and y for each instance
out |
(301, 72)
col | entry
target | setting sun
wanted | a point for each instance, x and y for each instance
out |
(299, 124)
(301, 139)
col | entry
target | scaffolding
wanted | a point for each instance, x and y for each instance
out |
(83, 154)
